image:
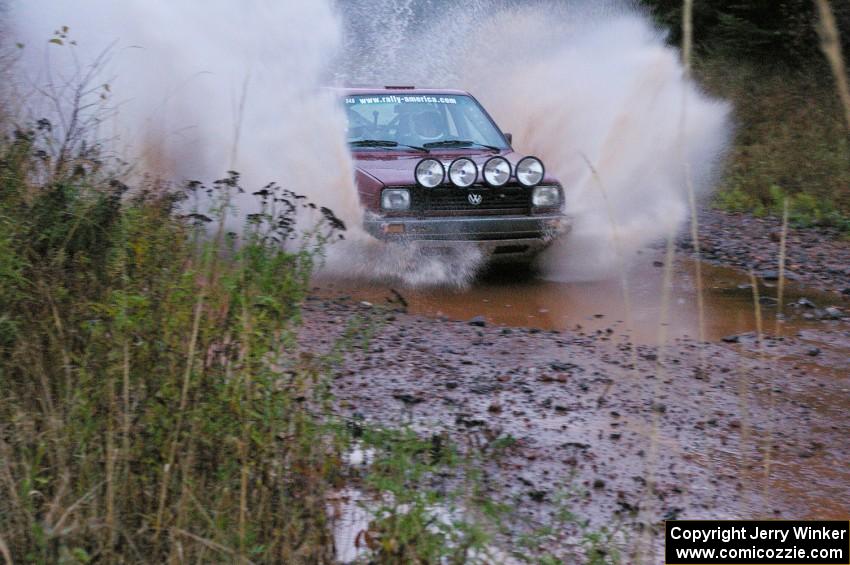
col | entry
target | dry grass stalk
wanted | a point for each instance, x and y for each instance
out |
(744, 412)
(687, 63)
(687, 33)
(660, 376)
(4, 551)
(624, 277)
(831, 46)
(783, 245)
(768, 449)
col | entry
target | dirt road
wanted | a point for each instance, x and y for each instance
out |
(732, 427)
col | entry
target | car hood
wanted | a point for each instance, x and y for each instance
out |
(398, 169)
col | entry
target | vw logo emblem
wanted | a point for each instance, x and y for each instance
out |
(474, 199)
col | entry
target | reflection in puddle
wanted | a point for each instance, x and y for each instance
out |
(350, 520)
(518, 299)
(352, 512)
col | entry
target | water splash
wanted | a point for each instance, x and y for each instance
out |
(201, 87)
(576, 83)
(407, 264)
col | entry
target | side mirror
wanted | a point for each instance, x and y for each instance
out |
(510, 138)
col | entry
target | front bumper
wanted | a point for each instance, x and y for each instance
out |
(496, 235)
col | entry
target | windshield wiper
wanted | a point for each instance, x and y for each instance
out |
(459, 143)
(383, 143)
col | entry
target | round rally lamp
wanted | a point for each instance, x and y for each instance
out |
(497, 171)
(462, 172)
(530, 171)
(430, 173)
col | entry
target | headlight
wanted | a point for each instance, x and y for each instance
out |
(463, 172)
(430, 173)
(529, 171)
(395, 199)
(497, 171)
(546, 196)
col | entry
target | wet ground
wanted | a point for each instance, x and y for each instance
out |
(518, 298)
(741, 425)
(738, 434)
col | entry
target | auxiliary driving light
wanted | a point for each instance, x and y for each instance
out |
(430, 173)
(463, 172)
(530, 171)
(497, 171)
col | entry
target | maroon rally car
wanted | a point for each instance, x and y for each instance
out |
(433, 167)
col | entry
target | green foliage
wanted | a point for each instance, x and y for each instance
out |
(779, 33)
(789, 137)
(597, 546)
(414, 522)
(152, 404)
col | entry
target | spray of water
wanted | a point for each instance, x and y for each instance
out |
(201, 87)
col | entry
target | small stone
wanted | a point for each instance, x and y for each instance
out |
(598, 484)
(408, 398)
(813, 352)
(833, 313)
(478, 321)
(731, 339)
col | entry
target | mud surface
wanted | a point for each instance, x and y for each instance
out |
(733, 427)
(589, 423)
(816, 258)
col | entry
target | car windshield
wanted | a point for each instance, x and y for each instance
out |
(419, 121)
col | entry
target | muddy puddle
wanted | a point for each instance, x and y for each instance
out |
(522, 299)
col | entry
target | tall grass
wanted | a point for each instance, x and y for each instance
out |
(154, 408)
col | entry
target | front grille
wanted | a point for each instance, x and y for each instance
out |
(507, 200)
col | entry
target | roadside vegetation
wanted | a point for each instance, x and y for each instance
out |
(790, 139)
(150, 407)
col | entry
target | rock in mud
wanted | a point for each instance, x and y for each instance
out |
(408, 399)
(833, 313)
(478, 321)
